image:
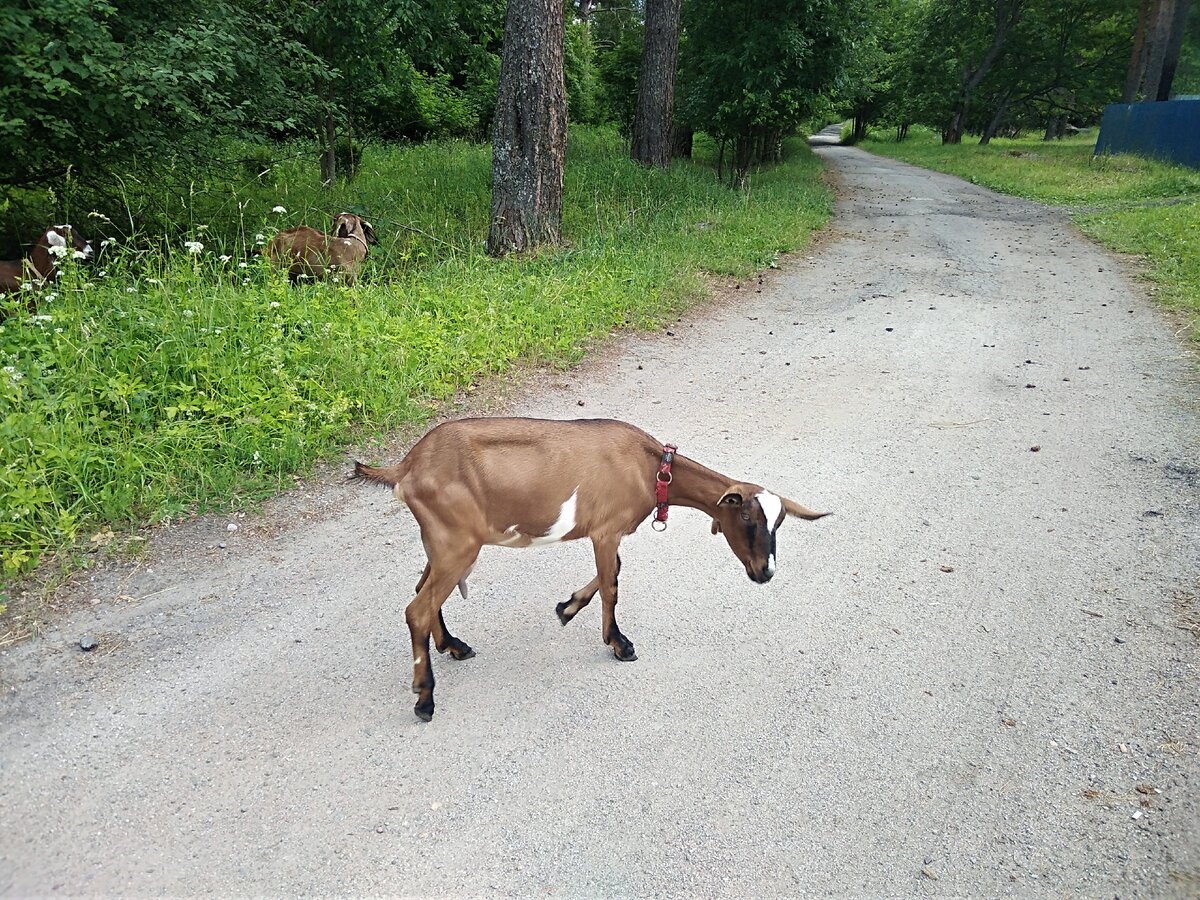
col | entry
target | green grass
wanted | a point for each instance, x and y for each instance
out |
(155, 383)
(1130, 204)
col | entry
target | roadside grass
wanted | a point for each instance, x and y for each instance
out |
(1130, 204)
(156, 382)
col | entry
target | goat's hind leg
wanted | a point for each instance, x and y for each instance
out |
(442, 638)
(424, 619)
(568, 609)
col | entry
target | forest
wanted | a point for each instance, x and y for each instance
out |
(112, 104)
(176, 370)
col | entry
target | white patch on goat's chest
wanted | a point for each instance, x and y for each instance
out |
(560, 529)
(772, 506)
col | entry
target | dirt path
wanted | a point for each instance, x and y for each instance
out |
(955, 685)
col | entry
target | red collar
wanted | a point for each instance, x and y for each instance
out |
(661, 483)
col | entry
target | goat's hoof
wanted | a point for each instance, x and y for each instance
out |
(424, 710)
(563, 615)
(462, 652)
(622, 649)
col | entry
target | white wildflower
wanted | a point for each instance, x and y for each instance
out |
(12, 373)
(193, 247)
(153, 281)
(245, 281)
(257, 459)
(131, 290)
(58, 251)
(279, 210)
(58, 330)
(274, 304)
(202, 228)
(50, 298)
(107, 241)
(41, 318)
(79, 254)
(27, 285)
(102, 273)
(260, 239)
(223, 258)
(187, 313)
(242, 265)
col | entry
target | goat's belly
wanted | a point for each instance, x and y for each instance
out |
(562, 529)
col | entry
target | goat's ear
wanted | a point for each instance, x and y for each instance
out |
(792, 508)
(716, 527)
(731, 497)
(54, 239)
(369, 231)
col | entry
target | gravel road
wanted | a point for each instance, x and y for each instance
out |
(976, 678)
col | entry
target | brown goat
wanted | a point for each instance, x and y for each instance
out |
(41, 265)
(307, 253)
(525, 482)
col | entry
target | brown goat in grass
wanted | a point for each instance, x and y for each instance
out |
(525, 482)
(307, 253)
(41, 265)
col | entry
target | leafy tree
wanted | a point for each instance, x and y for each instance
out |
(91, 84)
(754, 71)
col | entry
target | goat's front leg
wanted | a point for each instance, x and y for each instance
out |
(608, 567)
(568, 609)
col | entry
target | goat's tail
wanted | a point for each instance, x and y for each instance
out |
(389, 475)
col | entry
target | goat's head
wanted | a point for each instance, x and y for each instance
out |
(348, 225)
(749, 516)
(53, 245)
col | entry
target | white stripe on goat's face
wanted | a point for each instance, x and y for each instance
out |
(772, 508)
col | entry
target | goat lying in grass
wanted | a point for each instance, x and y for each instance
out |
(307, 253)
(41, 265)
(525, 482)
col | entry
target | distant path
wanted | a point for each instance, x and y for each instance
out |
(956, 685)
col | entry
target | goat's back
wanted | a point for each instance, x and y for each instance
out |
(532, 465)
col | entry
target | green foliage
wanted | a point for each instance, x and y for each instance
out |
(1131, 204)
(152, 384)
(1062, 58)
(619, 36)
(582, 76)
(756, 71)
(88, 84)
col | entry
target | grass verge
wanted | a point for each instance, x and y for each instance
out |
(159, 382)
(1129, 204)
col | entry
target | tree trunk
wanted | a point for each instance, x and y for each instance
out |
(651, 143)
(529, 137)
(1156, 51)
(682, 142)
(994, 124)
(743, 152)
(1055, 126)
(329, 148)
(1174, 46)
(1137, 59)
